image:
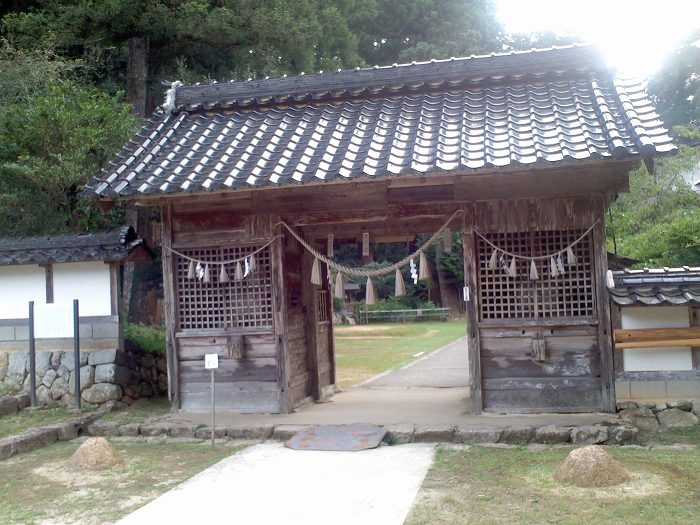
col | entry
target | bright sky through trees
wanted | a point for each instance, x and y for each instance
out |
(635, 35)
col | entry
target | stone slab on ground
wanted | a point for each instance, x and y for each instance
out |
(370, 486)
(253, 432)
(337, 437)
(477, 435)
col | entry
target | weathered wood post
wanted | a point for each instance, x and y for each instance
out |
(76, 351)
(32, 356)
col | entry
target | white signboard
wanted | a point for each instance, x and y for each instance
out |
(211, 361)
(53, 320)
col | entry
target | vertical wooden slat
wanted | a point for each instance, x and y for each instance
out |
(329, 314)
(170, 306)
(600, 267)
(472, 307)
(694, 318)
(48, 273)
(113, 289)
(279, 299)
(615, 323)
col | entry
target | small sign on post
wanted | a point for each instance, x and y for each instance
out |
(211, 362)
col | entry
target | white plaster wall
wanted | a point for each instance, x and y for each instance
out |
(19, 285)
(88, 282)
(654, 358)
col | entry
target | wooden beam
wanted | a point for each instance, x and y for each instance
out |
(310, 323)
(279, 300)
(649, 335)
(485, 179)
(170, 295)
(660, 343)
(600, 268)
(48, 274)
(114, 292)
(473, 333)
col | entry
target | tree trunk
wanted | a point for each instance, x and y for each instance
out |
(137, 74)
(449, 295)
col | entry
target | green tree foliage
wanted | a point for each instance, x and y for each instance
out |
(392, 31)
(192, 40)
(658, 222)
(55, 134)
(676, 87)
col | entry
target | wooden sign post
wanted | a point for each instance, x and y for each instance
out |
(211, 362)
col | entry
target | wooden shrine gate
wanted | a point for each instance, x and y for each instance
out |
(528, 147)
(543, 343)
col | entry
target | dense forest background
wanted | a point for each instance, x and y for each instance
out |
(78, 77)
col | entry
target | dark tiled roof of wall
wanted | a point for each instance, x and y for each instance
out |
(659, 286)
(109, 246)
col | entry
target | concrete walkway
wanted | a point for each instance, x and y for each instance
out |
(270, 484)
(444, 368)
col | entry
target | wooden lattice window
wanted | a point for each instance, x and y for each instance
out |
(234, 304)
(568, 295)
(322, 306)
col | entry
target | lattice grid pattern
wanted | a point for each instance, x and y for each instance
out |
(235, 304)
(568, 295)
(322, 306)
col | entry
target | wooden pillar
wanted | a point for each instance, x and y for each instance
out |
(600, 267)
(329, 314)
(310, 323)
(472, 308)
(279, 300)
(170, 295)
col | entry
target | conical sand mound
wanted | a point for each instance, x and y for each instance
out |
(591, 467)
(95, 454)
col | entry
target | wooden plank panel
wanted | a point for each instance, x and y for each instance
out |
(230, 371)
(534, 401)
(501, 367)
(259, 346)
(496, 346)
(542, 383)
(242, 398)
(529, 331)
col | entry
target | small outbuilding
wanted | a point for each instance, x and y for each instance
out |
(656, 328)
(61, 268)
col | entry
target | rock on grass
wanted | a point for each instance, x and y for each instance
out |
(591, 467)
(95, 454)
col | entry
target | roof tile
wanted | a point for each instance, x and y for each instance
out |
(464, 114)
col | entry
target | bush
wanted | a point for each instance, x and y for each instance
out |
(149, 338)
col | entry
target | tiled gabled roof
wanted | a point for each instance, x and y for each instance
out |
(116, 245)
(659, 286)
(541, 106)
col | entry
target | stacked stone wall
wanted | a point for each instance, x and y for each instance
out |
(105, 375)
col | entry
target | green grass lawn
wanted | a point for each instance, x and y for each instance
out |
(488, 485)
(14, 424)
(40, 487)
(367, 350)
